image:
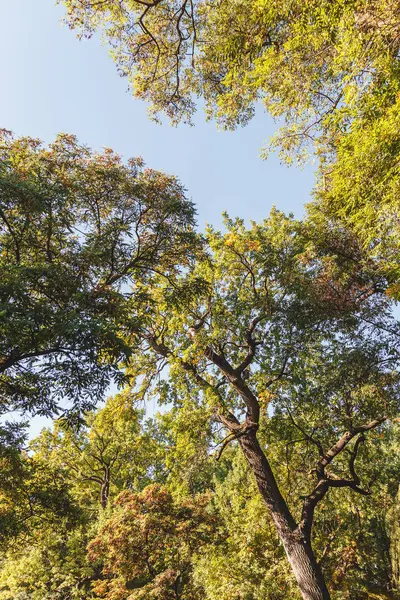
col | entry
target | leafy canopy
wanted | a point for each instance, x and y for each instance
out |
(328, 70)
(288, 337)
(147, 544)
(77, 229)
(303, 60)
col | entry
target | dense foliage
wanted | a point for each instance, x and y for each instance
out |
(276, 356)
(272, 471)
(157, 539)
(76, 228)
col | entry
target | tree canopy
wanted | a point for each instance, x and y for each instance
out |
(327, 70)
(312, 62)
(287, 341)
(76, 229)
(272, 348)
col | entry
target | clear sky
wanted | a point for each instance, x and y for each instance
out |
(52, 82)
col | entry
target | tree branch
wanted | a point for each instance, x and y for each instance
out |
(327, 481)
(343, 442)
(251, 344)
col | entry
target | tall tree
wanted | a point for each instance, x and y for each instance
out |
(271, 334)
(76, 227)
(51, 498)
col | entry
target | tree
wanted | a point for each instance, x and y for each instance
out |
(302, 60)
(50, 504)
(281, 338)
(51, 565)
(147, 543)
(77, 229)
(348, 534)
(44, 532)
(111, 453)
(32, 491)
(328, 69)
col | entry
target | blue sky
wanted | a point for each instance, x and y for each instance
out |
(52, 82)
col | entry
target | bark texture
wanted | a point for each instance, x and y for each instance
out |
(297, 546)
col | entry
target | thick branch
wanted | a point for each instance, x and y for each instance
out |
(251, 344)
(253, 408)
(226, 418)
(325, 481)
(342, 443)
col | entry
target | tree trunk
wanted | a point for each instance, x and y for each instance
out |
(297, 547)
(105, 487)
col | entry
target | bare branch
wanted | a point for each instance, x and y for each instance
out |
(326, 481)
(342, 443)
(251, 344)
